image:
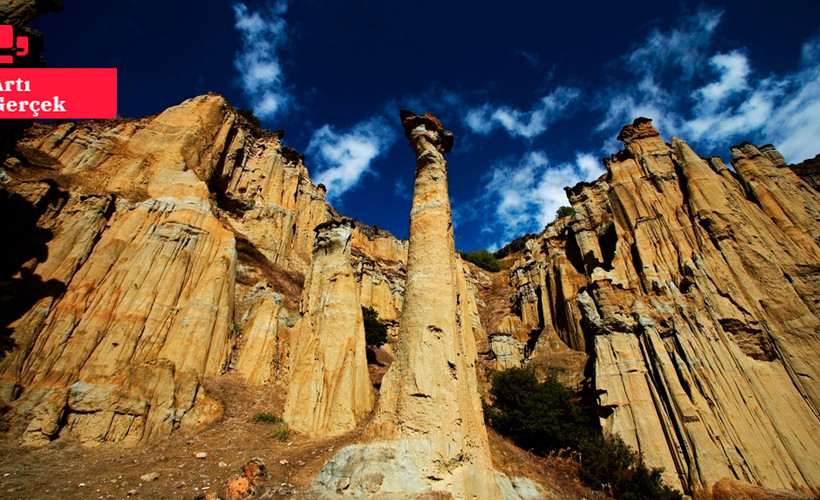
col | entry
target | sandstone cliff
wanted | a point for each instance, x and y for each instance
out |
(154, 254)
(428, 433)
(163, 251)
(329, 390)
(694, 290)
(18, 13)
(175, 245)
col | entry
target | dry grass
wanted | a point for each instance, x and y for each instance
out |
(558, 473)
(66, 470)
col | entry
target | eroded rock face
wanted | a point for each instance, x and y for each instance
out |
(131, 295)
(330, 390)
(156, 253)
(428, 430)
(20, 12)
(695, 289)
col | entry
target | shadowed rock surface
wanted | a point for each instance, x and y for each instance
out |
(694, 290)
(330, 390)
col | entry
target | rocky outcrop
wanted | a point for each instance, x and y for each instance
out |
(428, 431)
(380, 261)
(159, 252)
(18, 13)
(152, 233)
(330, 390)
(809, 171)
(695, 290)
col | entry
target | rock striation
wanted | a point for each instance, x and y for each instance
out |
(161, 252)
(156, 254)
(330, 390)
(152, 231)
(428, 433)
(694, 290)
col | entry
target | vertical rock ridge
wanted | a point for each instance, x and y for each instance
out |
(428, 431)
(701, 317)
(330, 390)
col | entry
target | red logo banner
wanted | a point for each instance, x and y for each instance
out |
(69, 93)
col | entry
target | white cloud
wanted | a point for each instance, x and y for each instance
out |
(529, 124)
(263, 33)
(734, 70)
(712, 98)
(401, 190)
(525, 194)
(344, 158)
(794, 126)
(682, 46)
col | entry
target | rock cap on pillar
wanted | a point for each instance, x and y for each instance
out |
(441, 138)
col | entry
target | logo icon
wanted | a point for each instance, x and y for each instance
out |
(8, 41)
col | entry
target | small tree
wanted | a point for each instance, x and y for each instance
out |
(483, 259)
(544, 417)
(538, 416)
(564, 211)
(375, 332)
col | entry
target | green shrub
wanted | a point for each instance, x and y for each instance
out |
(564, 211)
(375, 332)
(268, 418)
(540, 417)
(543, 417)
(483, 259)
(280, 429)
(610, 461)
(281, 433)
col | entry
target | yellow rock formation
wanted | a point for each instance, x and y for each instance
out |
(695, 288)
(330, 390)
(428, 430)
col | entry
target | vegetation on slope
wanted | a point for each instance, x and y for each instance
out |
(563, 211)
(545, 418)
(375, 332)
(483, 259)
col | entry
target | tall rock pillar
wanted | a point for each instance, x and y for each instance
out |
(428, 432)
(330, 390)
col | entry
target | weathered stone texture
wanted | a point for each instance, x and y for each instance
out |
(695, 289)
(330, 390)
(140, 263)
(162, 251)
(18, 13)
(428, 431)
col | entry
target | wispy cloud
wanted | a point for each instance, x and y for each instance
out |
(344, 158)
(525, 193)
(263, 33)
(713, 98)
(531, 58)
(401, 190)
(528, 124)
(794, 125)
(682, 47)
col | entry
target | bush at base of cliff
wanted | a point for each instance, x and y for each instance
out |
(482, 259)
(610, 463)
(375, 332)
(543, 417)
(539, 417)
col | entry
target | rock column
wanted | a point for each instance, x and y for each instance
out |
(429, 430)
(330, 390)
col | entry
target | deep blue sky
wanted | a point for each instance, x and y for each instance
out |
(535, 92)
